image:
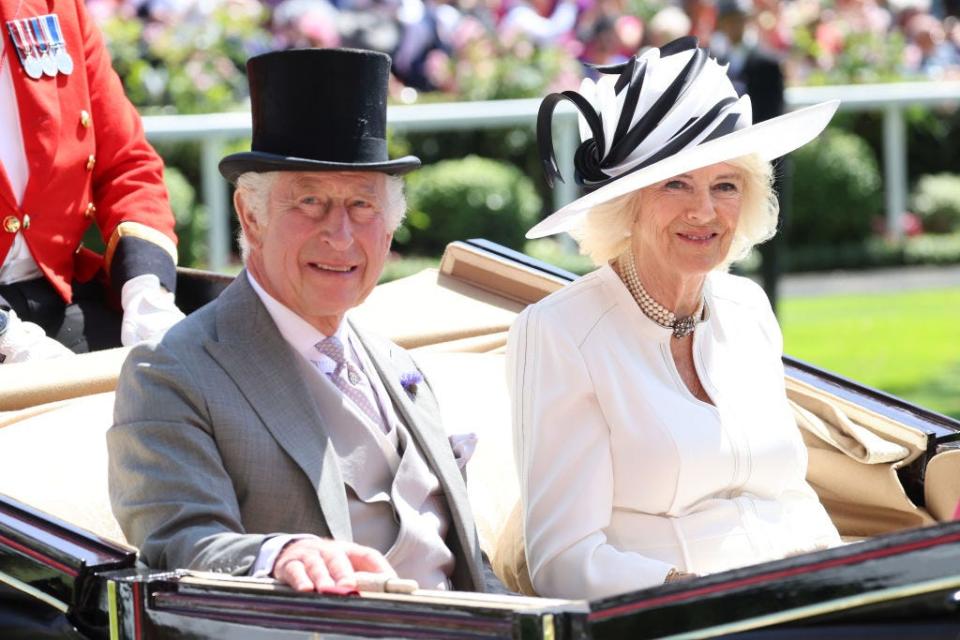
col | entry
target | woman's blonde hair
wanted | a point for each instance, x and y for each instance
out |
(604, 232)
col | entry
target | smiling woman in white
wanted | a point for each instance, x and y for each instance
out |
(652, 433)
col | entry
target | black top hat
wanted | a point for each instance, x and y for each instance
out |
(318, 110)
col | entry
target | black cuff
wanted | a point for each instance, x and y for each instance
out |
(135, 257)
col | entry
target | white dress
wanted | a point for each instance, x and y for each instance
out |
(624, 474)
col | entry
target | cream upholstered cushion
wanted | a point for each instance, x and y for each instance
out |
(471, 390)
(472, 393)
(854, 455)
(941, 485)
(54, 457)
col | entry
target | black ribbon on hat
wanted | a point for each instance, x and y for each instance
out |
(590, 165)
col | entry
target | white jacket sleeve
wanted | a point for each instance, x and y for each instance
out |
(812, 527)
(562, 449)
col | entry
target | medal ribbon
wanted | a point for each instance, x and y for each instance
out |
(37, 36)
(17, 42)
(48, 37)
(53, 27)
(20, 41)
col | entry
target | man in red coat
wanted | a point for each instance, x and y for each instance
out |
(73, 153)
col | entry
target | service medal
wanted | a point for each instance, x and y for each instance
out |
(49, 64)
(32, 66)
(50, 25)
(42, 41)
(64, 61)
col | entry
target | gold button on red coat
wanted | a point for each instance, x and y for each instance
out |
(90, 162)
(91, 209)
(84, 119)
(26, 221)
(11, 224)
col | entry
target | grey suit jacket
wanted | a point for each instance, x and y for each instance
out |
(217, 444)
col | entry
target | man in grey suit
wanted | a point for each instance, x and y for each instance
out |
(266, 434)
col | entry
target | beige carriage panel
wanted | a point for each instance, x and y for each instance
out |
(430, 309)
(29, 384)
(497, 275)
(471, 301)
(54, 457)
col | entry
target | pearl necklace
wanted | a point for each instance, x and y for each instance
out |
(667, 319)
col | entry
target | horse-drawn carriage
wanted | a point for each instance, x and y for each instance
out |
(888, 473)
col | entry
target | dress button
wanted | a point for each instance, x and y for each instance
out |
(26, 222)
(11, 224)
(91, 209)
(90, 162)
(84, 118)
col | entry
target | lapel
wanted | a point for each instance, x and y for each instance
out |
(254, 354)
(37, 100)
(425, 428)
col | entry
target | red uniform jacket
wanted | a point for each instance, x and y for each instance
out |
(87, 156)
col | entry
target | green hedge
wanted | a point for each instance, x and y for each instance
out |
(837, 191)
(875, 252)
(467, 198)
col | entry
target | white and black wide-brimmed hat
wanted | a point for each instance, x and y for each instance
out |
(318, 110)
(660, 114)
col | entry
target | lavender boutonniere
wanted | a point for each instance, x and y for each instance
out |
(409, 381)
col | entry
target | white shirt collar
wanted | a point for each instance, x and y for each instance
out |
(299, 333)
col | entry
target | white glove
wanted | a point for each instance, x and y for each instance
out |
(23, 341)
(148, 310)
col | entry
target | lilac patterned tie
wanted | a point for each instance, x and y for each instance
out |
(347, 377)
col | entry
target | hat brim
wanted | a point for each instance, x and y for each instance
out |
(769, 139)
(232, 166)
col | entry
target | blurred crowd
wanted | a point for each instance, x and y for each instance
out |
(442, 45)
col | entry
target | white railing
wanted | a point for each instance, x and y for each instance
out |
(214, 130)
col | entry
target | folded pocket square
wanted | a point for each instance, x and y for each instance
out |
(463, 445)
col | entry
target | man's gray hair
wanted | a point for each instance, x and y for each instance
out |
(254, 189)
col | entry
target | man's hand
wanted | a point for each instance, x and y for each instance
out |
(310, 564)
(148, 310)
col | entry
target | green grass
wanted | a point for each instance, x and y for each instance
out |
(907, 344)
